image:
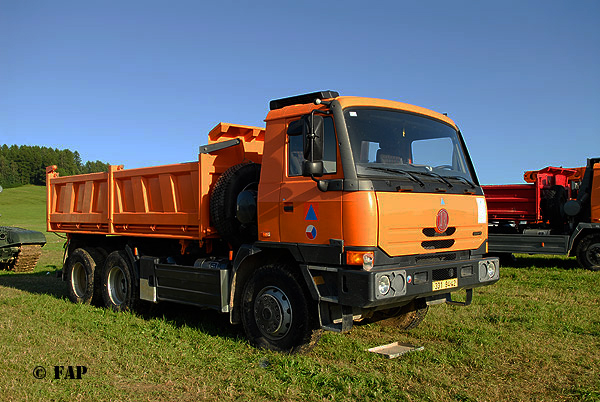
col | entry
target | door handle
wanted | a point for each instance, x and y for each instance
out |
(288, 207)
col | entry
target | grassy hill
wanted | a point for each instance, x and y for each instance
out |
(533, 336)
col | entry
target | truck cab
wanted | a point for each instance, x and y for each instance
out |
(378, 204)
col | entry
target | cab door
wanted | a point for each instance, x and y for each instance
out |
(308, 215)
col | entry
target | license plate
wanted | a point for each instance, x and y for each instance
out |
(445, 284)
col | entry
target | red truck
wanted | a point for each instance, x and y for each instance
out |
(558, 212)
(341, 209)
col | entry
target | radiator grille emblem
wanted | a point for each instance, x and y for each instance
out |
(441, 221)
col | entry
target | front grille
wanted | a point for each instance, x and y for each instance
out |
(443, 273)
(436, 257)
(430, 232)
(437, 244)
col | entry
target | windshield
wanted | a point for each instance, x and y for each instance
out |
(392, 143)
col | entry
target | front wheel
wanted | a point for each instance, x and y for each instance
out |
(588, 252)
(119, 290)
(277, 313)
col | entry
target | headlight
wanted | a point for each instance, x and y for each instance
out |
(491, 269)
(488, 269)
(384, 285)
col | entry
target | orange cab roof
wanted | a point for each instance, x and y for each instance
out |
(356, 101)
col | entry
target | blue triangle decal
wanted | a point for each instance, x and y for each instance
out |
(310, 215)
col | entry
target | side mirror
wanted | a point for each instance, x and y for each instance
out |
(314, 133)
(312, 169)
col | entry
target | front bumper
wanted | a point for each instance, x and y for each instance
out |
(360, 288)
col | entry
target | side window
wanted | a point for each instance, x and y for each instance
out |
(296, 151)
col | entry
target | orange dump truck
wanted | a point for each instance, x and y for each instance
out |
(343, 209)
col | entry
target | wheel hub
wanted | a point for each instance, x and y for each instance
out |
(117, 286)
(79, 279)
(273, 312)
(593, 253)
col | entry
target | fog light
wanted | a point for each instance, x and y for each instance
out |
(384, 285)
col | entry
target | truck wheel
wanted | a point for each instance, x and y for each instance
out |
(277, 313)
(588, 252)
(81, 269)
(233, 204)
(99, 255)
(119, 290)
(403, 318)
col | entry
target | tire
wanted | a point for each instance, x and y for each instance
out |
(403, 318)
(237, 181)
(119, 290)
(552, 205)
(99, 255)
(588, 252)
(277, 313)
(81, 270)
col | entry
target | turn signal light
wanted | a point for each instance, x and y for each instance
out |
(364, 258)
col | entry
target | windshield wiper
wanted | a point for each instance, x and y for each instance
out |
(437, 176)
(404, 172)
(470, 183)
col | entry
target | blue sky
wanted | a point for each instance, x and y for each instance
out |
(141, 83)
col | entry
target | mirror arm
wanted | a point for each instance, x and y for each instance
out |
(322, 185)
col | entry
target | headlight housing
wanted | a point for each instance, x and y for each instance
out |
(489, 269)
(383, 284)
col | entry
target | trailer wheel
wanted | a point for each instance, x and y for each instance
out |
(588, 252)
(233, 204)
(277, 313)
(403, 318)
(119, 290)
(81, 269)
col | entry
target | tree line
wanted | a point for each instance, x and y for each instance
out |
(26, 164)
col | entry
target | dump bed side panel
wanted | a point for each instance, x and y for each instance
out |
(158, 201)
(513, 202)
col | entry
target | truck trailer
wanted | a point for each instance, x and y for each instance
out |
(342, 209)
(557, 212)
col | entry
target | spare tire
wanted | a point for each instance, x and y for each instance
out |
(552, 206)
(233, 204)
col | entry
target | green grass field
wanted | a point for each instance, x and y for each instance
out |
(533, 336)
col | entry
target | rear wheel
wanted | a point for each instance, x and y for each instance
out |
(588, 252)
(403, 318)
(81, 269)
(119, 290)
(277, 313)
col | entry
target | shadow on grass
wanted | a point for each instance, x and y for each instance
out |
(210, 322)
(48, 282)
(535, 261)
(44, 282)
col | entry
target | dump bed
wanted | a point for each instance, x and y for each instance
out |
(170, 201)
(522, 202)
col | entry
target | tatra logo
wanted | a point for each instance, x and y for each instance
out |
(441, 221)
